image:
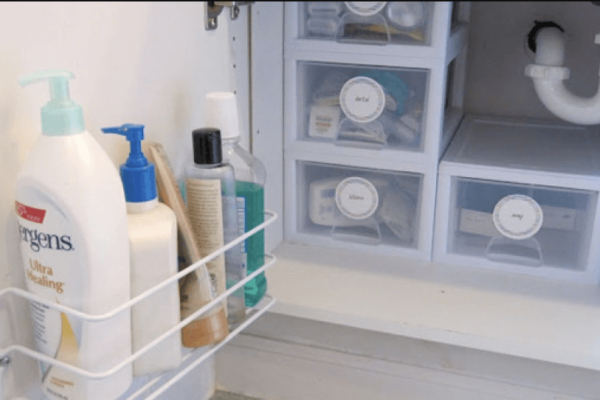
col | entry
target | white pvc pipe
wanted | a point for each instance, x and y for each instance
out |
(560, 102)
(548, 76)
(550, 47)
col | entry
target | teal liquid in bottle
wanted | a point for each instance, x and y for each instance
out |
(250, 178)
(251, 208)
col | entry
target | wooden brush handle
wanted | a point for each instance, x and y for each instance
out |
(170, 194)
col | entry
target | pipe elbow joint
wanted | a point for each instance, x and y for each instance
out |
(550, 47)
(548, 76)
(536, 71)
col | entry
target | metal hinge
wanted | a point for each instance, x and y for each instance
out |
(214, 8)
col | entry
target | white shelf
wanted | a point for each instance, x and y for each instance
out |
(395, 55)
(389, 160)
(517, 149)
(164, 381)
(515, 315)
(390, 58)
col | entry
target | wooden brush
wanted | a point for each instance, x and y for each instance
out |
(194, 288)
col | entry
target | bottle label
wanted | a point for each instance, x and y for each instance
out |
(324, 121)
(251, 197)
(205, 209)
(365, 8)
(51, 255)
(362, 99)
(518, 217)
(241, 217)
(356, 198)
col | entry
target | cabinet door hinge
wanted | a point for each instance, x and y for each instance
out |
(214, 8)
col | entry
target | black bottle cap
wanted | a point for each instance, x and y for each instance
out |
(207, 146)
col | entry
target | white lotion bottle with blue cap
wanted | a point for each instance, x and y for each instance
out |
(72, 221)
(153, 259)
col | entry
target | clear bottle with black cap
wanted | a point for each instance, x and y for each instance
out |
(211, 203)
(250, 176)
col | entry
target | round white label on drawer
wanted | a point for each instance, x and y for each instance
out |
(407, 15)
(362, 99)
(365, 8)
(518, 217)
(356, 198)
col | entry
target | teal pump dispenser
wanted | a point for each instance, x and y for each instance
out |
(61, 116)
(139, 179)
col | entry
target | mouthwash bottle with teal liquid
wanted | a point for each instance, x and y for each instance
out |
(250, 176)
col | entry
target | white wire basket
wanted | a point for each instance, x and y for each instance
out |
(158, 384)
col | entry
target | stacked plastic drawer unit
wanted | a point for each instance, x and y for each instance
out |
(373, 94)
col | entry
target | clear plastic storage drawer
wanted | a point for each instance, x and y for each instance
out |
(521, 224)
(362, 106)
(504, 202)
(358, 205)
(378, 22)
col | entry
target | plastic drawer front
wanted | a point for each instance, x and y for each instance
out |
(524, 228)
(362, 106)
(374, 23)
(357, 205)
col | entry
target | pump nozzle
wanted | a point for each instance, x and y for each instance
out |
(61, 115)
(139, 180)
(134, 134)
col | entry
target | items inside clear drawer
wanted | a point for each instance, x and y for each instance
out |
(521, 224)
(360, 106)
(378, 23)
(359, 205)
